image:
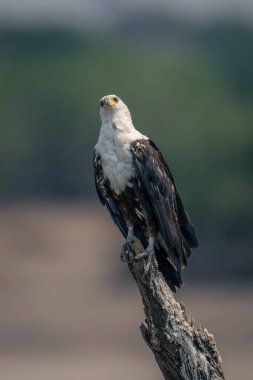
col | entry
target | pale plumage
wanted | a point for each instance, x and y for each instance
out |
(113, 147)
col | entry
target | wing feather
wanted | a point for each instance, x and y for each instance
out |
(162, 201)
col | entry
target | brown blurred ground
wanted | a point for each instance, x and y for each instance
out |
(69, 309)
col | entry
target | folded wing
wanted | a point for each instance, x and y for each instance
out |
(155, 185)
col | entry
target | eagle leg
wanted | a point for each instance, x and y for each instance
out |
(127, 246)
(148, 254)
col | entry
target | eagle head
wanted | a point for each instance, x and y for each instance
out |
(112, 108)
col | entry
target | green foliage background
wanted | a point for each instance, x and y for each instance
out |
(190, 89)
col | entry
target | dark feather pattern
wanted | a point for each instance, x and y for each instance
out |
(160, 197)
(154, 194)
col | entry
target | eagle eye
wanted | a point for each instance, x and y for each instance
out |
(102, 103)
(115, 99)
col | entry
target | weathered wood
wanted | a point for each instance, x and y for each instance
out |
(183, 349)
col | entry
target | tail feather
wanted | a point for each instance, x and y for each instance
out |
(190, 235)
(171, 276)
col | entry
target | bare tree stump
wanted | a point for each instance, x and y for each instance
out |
(183, 349)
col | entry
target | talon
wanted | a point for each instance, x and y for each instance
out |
(124, 255)
(148, 263)
(149, 253)
(155, 263)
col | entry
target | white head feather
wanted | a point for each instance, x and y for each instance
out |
(112, 108)
(116, 135)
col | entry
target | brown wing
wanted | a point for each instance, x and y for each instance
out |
(162, 202)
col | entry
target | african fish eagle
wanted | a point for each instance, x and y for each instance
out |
(136, 185)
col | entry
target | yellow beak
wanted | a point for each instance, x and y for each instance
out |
(110, 102)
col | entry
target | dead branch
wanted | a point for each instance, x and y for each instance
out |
(183, 349)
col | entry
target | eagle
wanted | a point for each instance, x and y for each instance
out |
(136, 185)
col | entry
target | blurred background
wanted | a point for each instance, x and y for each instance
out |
(69, 308)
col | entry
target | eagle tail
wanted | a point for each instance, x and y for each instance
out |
(190, 235)
(171, 276)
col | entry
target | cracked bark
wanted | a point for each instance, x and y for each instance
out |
(183, 349)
